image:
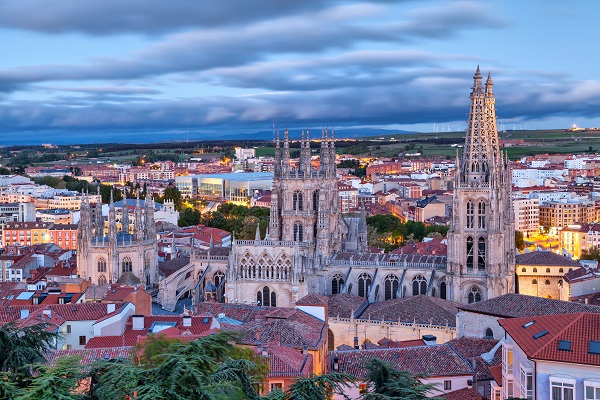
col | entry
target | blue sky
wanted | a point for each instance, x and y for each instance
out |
(149, 70)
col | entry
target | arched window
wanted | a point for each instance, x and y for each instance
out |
(469, 252)
(127, 265)
(489, 333)
(474, 295)
(470, 214)
(364, 284)
(535, 270)
(101, 280)
(443, 290)
(390, 287)
(298, 201)
(570, 269)
(523, 269)
(266, 297)
(273, 299)
(336, 284)
(547, 270)
(560, 282)
(481, 254)
(419, 285)
(481, 215)
(259, 298)
(218, 278)
(534, 282)
(298, 232)
(547, 282)
(101, 265)
(560, 270)
(316, 200)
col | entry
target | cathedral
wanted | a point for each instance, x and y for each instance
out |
(310, 247)
(122, 249)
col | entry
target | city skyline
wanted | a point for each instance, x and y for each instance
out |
(139, 71)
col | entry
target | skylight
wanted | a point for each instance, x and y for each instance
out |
(540, 334)
(594, 346)
(527, 325)
(564, 345)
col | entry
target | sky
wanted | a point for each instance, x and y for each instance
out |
(155, 70)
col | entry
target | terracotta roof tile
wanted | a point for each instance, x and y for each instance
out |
(463, 394)
(312, 300)
(513, 305)
(285, 361)
(545, 258)
(578, 329)
(439, 360)
(344, 304)
(89, 356)
(421, 309)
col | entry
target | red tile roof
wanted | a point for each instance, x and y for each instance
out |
(463, 394)
(421, 309)
(545, 258)
(89, 356)
(389, 343)
(513, 305)
(313, 300)
(578, 329)
(344, 304)
(285, 361)
(434, 361)
(496, 372)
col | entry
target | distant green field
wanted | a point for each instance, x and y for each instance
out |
(265, 151)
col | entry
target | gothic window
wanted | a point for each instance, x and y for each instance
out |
(218, 278)
(247, 267)
(283, 267)
(474, 295)
(101, 265)
(101, 280)
(273, 299)
(489, 334)
(316, 200)
(534, 282)
(419, 285)
(298, 201)
(481, 254)
(336, 284)
(443, 290)
(298, 232)
(127, 265)
(470, 214)
(547, 282)
(266, 298)
(391, 287)
(481, 215)
(469, 252)
(364, 284)
(259, 298)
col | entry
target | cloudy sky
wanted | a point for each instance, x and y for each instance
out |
(149, 70)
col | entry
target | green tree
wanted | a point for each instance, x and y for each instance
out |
(388, 383)
(315, 387)
(55, 382)
(519, 240)
(172, 193)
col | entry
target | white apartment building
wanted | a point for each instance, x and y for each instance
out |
(524, 177)
(527, 214)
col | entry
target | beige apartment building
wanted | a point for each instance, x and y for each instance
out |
(559, 214)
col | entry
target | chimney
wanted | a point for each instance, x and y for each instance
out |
(24, 314)
(187, 320)
(137, 322)
(110, 307)
(305, 349)
(429, 340)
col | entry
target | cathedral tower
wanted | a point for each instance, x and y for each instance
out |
(481, 257)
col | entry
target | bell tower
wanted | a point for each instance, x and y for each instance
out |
(481, 255)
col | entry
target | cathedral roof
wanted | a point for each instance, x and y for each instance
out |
(168, 267)
(312, 300)
(343, 305)
(420, 309)
(513, 305)
(129, 279)
(545, 258)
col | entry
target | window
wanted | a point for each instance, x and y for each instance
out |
(364, 284)
(82, 340)
(481, 215)
(561, 390)
(447, 385)
(547, 282)
(481, 254)
(127, 265)
(510, 388)
(298, 201)
(266, 295)
(469, 253)
(336, 284)
(316, 200)
(419, 285)
(547, 270)
(592, 390)
(489, 333)
(391, 287)
(276, 386)
(507, 360)
(535, 270)
(474, 295)
(101, 280)
(526, 384)
(470, 214)
(298, 232)
(68, 328)
(534, 282)
(443, 290)
(101, 265)
(523, 269)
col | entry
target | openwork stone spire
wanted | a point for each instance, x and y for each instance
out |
(482, 154)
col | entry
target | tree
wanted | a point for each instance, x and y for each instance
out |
(22, 347)
(315, 387)
(55, 382)
(388, 383)
(519, 241)
(172, 193)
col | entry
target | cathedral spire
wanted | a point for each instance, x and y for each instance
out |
(257, 235)
(285, 162)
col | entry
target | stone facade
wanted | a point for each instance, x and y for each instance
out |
(115, 255)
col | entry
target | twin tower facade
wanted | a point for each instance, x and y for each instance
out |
(311, 248)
